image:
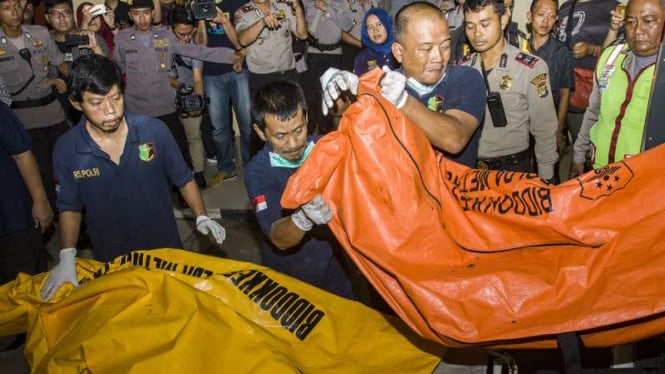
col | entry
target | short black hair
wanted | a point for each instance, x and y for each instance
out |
(402, 17)
(534, 2)
(93, 73)
(180, 15)
(49, 4)
(282, 99)
(478, 5)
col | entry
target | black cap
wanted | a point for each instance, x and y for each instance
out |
(136, 4)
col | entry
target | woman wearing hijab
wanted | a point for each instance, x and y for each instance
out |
(377, 37)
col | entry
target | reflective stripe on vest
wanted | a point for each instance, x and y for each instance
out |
(623, 107)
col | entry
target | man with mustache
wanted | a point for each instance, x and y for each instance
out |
(298, 243)
(613, 125)
(119, 167)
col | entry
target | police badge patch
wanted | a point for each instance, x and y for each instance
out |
(540, 81)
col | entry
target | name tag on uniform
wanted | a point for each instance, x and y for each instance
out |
(6, 58)
(133, 50)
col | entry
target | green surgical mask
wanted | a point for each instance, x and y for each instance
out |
(278, 161)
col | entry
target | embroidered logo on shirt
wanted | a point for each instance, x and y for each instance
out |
(86, 173)
(435, 104)
(540, 81)
(147, 152)
(260, 203)
(527, 60)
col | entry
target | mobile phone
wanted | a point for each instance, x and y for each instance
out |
(98, 10)
(76, 39)
(495, 106)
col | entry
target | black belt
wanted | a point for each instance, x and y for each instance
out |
(34, 103)
(499, 162)
(314, 42)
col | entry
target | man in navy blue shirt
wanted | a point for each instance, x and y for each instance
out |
(24, 208)
(298, 245)
(119, 166)
(446, 102)
(25, 212)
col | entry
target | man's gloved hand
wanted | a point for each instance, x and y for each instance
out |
(206, 225)
(333, 82)
(393, 86)
(316, 211)
(63, 272)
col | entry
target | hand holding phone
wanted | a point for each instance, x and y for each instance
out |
(98, 10)
(76, 39)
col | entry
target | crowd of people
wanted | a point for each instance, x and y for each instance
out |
(118, 110)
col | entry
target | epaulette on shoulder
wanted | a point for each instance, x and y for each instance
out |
(464, 59)
(247, 8)
(527, 59)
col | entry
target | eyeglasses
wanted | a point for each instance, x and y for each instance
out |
(60, 14)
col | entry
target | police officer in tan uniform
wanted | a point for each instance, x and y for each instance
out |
(326, 19)
(25, 52)
(518, 103)
(146, 55)
(265, 28)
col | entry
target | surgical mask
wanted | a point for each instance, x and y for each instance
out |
(422, 89)
(280, 162)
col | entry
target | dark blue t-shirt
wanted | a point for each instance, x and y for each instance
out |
(128, 204)
(15, 200)
(463, 89)
(367, 60)
(217, 37)
(313, 261)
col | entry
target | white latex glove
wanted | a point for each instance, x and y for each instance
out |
(393, 86)
(333, 83)
(316, 212)
(63, 272)
(206, 225)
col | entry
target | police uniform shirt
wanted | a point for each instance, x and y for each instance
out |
(271, 51)
(184, 73)
(462, 89)
(147, 68)
(265, 184)
(559, 61)
(17, 72)
(331, 23)
(522, 81)
(128, 204)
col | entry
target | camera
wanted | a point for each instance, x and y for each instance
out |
(186, 101)
(495, 106)
(203, 9)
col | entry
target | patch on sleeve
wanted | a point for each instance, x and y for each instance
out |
(526, 59)
(540, 81)
(260, 203)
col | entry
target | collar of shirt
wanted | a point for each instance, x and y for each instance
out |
(85, 144)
